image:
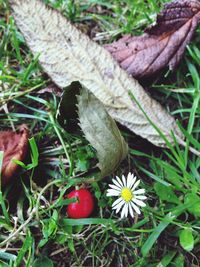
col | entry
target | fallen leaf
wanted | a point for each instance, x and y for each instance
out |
(101, 131)
(163, 44)
(67, 55)
(96, 124)
(14, 146)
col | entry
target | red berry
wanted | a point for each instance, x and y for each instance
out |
(83, 207)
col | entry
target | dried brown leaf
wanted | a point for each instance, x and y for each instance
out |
(67, 55)
(14, 146)
(163, 44)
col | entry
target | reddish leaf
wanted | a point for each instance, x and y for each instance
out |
(163, 44)
(14, 145)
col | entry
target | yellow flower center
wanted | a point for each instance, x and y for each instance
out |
(126, 194)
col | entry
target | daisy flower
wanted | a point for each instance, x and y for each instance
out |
(129, 199)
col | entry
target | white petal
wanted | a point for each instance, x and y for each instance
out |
(132, 182)
(136, 184)
(124, 210)
(124, 180)
(114, 187)
(117, 202)
(116, 183)
(130, 175)
(119, 181)
(130, 210)
(119, 206)
(139, 191)
(140, 197)
(137, 210)
(129, 179)
(112, 193)
(139, 202)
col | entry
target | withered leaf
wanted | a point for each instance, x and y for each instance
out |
(101, 131)
(67, 55)
(97, 126)
(163, 44)
(14, 146)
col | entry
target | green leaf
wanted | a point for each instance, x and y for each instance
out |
(34, 156)
(82, 165)
(4, 208)
(71, 245)
(26, 246)
(166, 193)
(64, 202)
(66, 228)
(34, 152)
(44, 262)
(179, 261)
(166, 260)
(86, 221)
(7, 256)
(61, 239)
(3, 264)
(186, 239)
(194, 209)
(42, 242)
(50, 226)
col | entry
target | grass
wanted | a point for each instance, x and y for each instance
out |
(34, 229)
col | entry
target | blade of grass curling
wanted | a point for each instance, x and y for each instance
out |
(34, 152)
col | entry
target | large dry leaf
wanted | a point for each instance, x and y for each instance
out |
(67, 55)
(14, 146)
(163, 44)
